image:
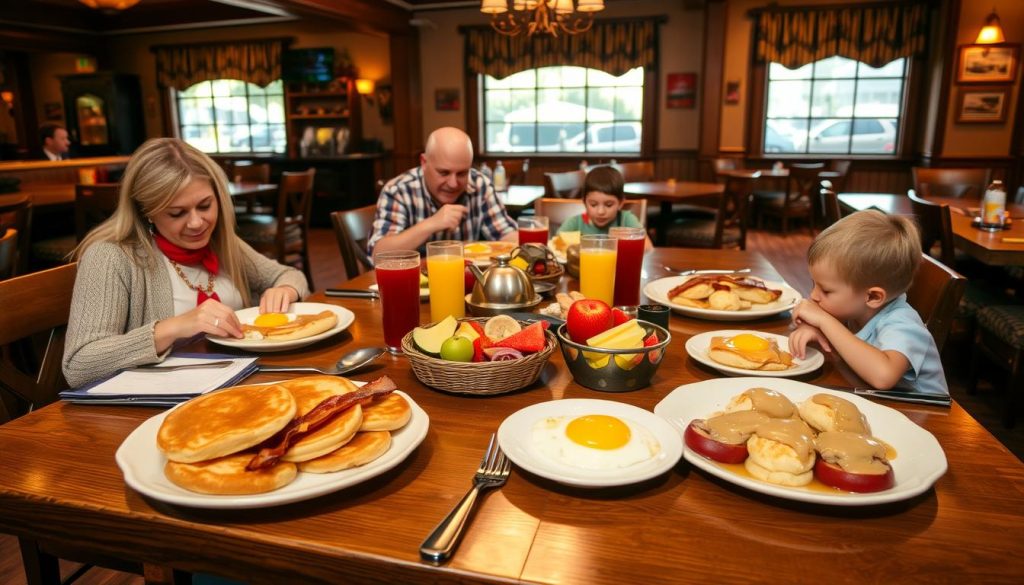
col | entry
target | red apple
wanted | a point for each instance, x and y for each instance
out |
(586, 318)
(705, 446)
(469, 277)
(837, 477)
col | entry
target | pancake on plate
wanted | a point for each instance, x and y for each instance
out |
(309, 391)
(228, 476)
(362, 449)
(387, 414)
(749, 352)
(289, 326)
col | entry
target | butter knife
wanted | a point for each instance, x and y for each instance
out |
(905, 396)
(159, 368)
(352, 293)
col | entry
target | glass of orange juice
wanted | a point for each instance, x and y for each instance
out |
(597, 266)
(446, 271)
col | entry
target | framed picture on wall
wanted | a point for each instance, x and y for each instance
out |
(682, 90)
(988, 63)
(446, 100)
(982, 105)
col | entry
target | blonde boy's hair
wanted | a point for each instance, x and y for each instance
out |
(870, 248)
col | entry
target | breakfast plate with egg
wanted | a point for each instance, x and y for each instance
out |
(749, 298)
(915, 456)
(480, 252)
(590, 443)
(303, 324)
(751, 353)
(559, 245)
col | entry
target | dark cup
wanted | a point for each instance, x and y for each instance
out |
(657, 314)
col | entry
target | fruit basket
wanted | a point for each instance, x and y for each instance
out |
(478, 378)
(538, 261)
(614, 370)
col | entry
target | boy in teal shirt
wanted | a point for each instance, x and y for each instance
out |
(603, 199)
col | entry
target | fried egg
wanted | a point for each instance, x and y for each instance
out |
(273, 319)
(750, 352)
(594, 441)
(476, 248)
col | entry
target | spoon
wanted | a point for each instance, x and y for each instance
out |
(349, 362)
(694, 271)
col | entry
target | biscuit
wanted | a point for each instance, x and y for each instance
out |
(775, 456)
(778, 477)
(227, 476)
(362, 449)
(387, 414)
(837, 415)
(309, 391)
(225, 422)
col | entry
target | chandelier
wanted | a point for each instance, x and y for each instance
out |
(546, 17)
(109, 4)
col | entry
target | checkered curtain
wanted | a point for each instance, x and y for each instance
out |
(614, 47)
(872, 33)
(181, 67)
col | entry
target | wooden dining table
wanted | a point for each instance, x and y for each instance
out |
(60, 485)
(999, 248)
(667, 193)
(519, 197)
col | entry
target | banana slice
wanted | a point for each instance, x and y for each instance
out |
(501, 326)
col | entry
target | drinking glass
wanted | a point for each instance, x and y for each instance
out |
(446, 271)
(628, 264)
(597, 267)
(533, 229)
(398, 280)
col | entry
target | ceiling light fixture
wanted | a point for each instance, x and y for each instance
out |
(109, 4)
(992, 32)
(547, 17)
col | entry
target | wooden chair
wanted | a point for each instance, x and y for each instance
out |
(8, 253)
(352, 228)
(841, 168)
(559, 210)
(93, 205)
(639, 171)
(1000, 340)
(17, 215)
(245, 171)
(569, 184)
(935, 294)
(935, 225)
(829, 204)
(729, 226)
(722, 165)
(966, 183)
(284, 236)
(797, 201)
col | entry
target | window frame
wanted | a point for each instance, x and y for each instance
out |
(179, 125)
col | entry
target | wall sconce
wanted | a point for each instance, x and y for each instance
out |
(364, 87)
(992, 32)
(8, 98)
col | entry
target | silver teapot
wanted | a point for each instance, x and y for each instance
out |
(501, 288)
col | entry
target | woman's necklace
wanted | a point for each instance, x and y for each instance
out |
(207, 290)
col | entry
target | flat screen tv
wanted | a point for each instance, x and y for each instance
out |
(308, 65)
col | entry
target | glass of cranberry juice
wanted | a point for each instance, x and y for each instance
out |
(533, 230)
(628, 263)
(398, 278)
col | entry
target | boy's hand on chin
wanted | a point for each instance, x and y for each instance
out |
(807, 312)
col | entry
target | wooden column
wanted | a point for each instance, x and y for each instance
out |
(711, 90)
(408, 106)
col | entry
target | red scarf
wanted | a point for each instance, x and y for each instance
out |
(204, 256)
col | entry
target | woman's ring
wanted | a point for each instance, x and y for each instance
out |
(216, 322)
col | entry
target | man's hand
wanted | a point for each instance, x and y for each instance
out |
(803, 335)
(449, 217)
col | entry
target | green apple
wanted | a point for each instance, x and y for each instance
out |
(457, 349)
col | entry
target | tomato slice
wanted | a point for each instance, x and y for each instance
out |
(837, 477)
(704, 445)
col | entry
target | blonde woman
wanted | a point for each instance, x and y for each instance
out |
(166, 266)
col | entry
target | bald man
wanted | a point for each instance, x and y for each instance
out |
(444, 198)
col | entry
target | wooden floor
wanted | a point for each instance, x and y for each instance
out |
(787, 254)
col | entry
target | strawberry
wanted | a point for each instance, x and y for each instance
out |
(619, 317)
(530, 340)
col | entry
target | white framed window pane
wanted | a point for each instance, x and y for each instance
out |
(778, 71)
(258, 109)
(574, 76)
(201, 89)
(275, 109)
(226, 87)
(499, 104)
(195, 111)
(789, 99)
(233, 138)
(835, 67)
(555, 105)
(497, 137)
(879, 97)
(276, 87)
(629, 103)
(523, 79)
(278, 138)
(785, 135)
(894, 68)
(231, 110)
(832, 98)
(600, 103)
(202, 137)
(253, 90)
(829, 136)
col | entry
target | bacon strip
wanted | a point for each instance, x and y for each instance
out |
(713, 280)
(271, 451)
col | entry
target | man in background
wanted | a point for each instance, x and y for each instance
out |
(55, 141)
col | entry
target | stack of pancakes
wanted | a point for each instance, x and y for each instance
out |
(210, 440)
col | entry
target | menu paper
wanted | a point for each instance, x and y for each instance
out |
(153, 387)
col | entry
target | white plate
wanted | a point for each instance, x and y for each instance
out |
(514, 436)
(657, 291)
(919, 460)
(424, 292)
(247, 316)
(559, 255)
(142, 464)
(698, 345)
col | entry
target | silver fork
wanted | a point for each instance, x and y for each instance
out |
(493, 472)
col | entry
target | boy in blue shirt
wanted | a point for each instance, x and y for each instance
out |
(862, 267)
(603, 198)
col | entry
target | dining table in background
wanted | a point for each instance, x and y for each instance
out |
(519, 197)
(988, 247)
(61, 485)
(667, 193)
(251, 192)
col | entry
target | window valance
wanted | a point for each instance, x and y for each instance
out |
(614, 46)
(183, 66)
(872, 33)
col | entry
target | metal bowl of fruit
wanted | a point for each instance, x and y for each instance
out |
(479, 356)
(619, 359)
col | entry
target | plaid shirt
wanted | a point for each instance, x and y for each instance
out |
(404, 201)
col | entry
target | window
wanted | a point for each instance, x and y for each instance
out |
(563, 109)
(835, 105)
(227, 115)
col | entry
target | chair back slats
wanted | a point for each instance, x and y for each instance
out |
(935, 225)
(8, 253)
(17, 214)
(352, 229)
(965, 183)
(935, 294)
(828, 202)
(569, 184)
(93, 205)
(841, 170)
(734, 208)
